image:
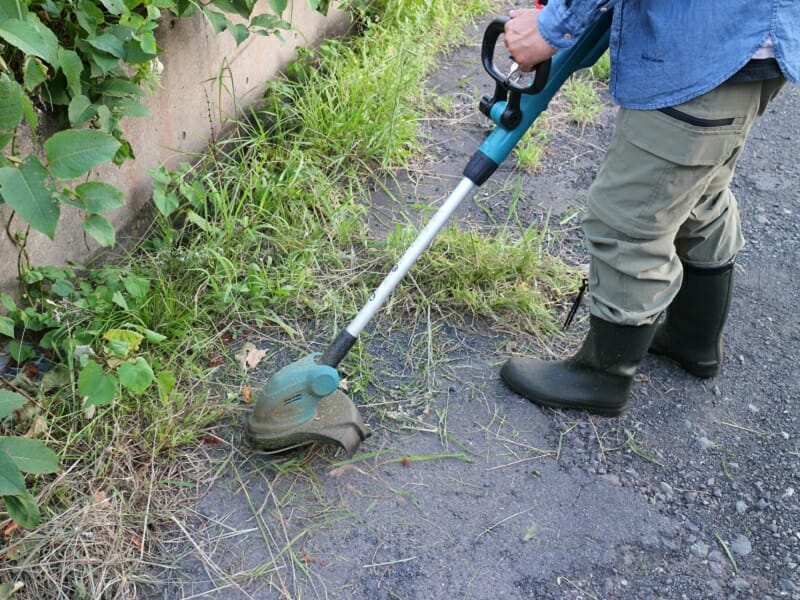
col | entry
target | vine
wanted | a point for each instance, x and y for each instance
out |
(86, 64)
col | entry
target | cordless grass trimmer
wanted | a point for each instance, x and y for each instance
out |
(302, 403)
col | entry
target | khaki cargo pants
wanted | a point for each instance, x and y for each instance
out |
(661, 198)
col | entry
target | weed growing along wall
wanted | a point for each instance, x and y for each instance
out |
(206, 78)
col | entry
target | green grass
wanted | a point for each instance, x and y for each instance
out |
(511, 278)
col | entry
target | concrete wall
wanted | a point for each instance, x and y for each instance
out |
(206, 78)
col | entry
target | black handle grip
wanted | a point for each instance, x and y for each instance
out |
(495, 29)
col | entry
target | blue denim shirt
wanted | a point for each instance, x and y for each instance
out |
(666, 52)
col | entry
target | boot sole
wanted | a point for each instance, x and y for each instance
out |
(614, 410)
(608, 411)
(701, 370)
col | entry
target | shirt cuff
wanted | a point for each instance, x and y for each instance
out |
(561, 26)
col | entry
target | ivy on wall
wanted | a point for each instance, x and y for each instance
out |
(86, 64)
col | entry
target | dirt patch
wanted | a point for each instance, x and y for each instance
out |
(467, 491)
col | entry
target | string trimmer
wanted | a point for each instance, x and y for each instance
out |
(302, 403)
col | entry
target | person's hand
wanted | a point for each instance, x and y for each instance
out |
(524, 42)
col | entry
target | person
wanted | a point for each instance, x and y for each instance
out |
(662, 227)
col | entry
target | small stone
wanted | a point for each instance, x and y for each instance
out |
(650, 541)
(715, 556)
(699, 549)
(741, 545)
(741, 507)
(705, 443)
(740, 584)
(773, 527)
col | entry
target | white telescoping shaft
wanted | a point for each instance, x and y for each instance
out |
(410, 256)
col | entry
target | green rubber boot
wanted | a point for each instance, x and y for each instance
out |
(597, 379)
(691, 334)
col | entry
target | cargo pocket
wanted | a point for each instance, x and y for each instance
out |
(686, 134)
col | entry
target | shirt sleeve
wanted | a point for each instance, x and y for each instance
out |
(562, 22)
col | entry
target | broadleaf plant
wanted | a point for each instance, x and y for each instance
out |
(86, 65)
(20, 455)
(82, 66)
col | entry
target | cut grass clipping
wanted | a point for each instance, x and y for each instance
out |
(266, 231)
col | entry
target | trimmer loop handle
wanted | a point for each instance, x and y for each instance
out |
(505, 88)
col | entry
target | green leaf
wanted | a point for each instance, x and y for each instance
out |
(116, 87)
(30, 114)
(9, 402)
(98, 388)
(138, 287)
(240, 33)
(6, 329)
(101, 230)
(89, 15)
(23, 510)
(7, 590)
(62, 288)
(31, 456)
(115, 7)
(217, 20)
(128, 107)
(11, 9)
(136, 376)
(108, 43)
(26, 191)
(148, 44)
(72, 67)
(34, 72)
(74, 152)
(105, 63)
(80, 110)
(120, 301)
(166, 383)
(130, 339)
(265, 20)
(20, 352)
(278, 6)
(32, 37)
(8, 302)
(233, 6)
(11, 94)
(152, 336)
(321, 6)
(98, 197)
(166, 202)
(11, 480)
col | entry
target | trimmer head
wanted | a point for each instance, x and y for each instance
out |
(336, 421)
(300, 405)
